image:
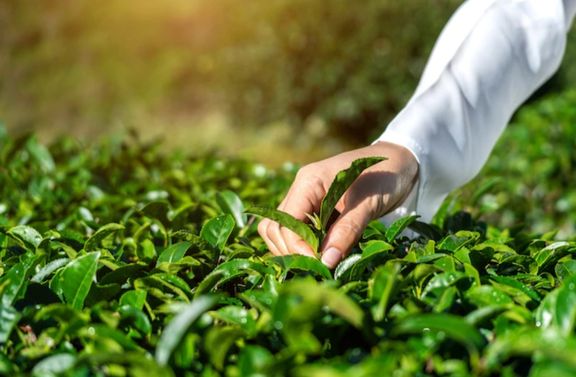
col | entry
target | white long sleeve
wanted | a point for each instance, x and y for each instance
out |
(491, 56)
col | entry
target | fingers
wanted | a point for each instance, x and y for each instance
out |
(344, 233)
(282, 241)
(304, 197)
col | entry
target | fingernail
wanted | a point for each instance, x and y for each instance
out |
(331, 257)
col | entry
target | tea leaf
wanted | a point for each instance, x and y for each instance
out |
(177, 328)
(26, 235)
(217, 231)
(93, 242)
(73, 282)
(288, 221)
(342, 181)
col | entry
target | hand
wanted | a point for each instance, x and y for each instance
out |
(377, 191)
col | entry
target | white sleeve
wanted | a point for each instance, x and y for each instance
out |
(489, 58)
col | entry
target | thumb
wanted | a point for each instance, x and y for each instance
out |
(344, 233)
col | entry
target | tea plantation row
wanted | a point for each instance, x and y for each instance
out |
(118, 260)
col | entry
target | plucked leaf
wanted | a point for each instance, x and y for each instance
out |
(288, 221)
(342, 181)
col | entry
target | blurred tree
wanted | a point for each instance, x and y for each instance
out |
(344, 67)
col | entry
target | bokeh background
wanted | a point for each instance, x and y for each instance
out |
(271, 80)
(280, 79)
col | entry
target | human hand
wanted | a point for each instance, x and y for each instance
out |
(377, 191)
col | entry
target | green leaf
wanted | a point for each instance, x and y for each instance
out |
(93, 243)
(135, 318)
(342, 181)
(73, 282)
(134, 298)
(14, 283)
(218, 341)
(558, 309)
(454, 327)
(302, 263)
(54, 365)
(381, 286)
(217, 230)
(525, 341)
(398, 227)
(229, 270)
(232, 204)
(321, 295)
(27, 236)
(9, 317)
(288, 221)
(49, 269)
(173, 253)
(41, 154)
(516, 286)
(177, 328)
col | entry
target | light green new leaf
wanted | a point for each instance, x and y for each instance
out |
(175, 331)
(48, 269)
(217, 231)
(73, 282)
(218, 342)
(27, 236)
(288, 221)
(341, 183)
(173, 253)
(94, 241)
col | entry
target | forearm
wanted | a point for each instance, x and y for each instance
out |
(491, 56)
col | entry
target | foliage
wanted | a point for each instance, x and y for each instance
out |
(352, 65)
(118, 260)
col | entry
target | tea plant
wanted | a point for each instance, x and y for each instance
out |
(118, 260)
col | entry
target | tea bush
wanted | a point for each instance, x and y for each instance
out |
(119, 260)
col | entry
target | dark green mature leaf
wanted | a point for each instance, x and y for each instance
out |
(93, 243)
(229, 270)
(177, 328)
(232, 204)
(217, 231)
(399, 226)
(14, 283)
(302, 263)
(73, 282)
(27, 236)
(288, 221)
(342, 181)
